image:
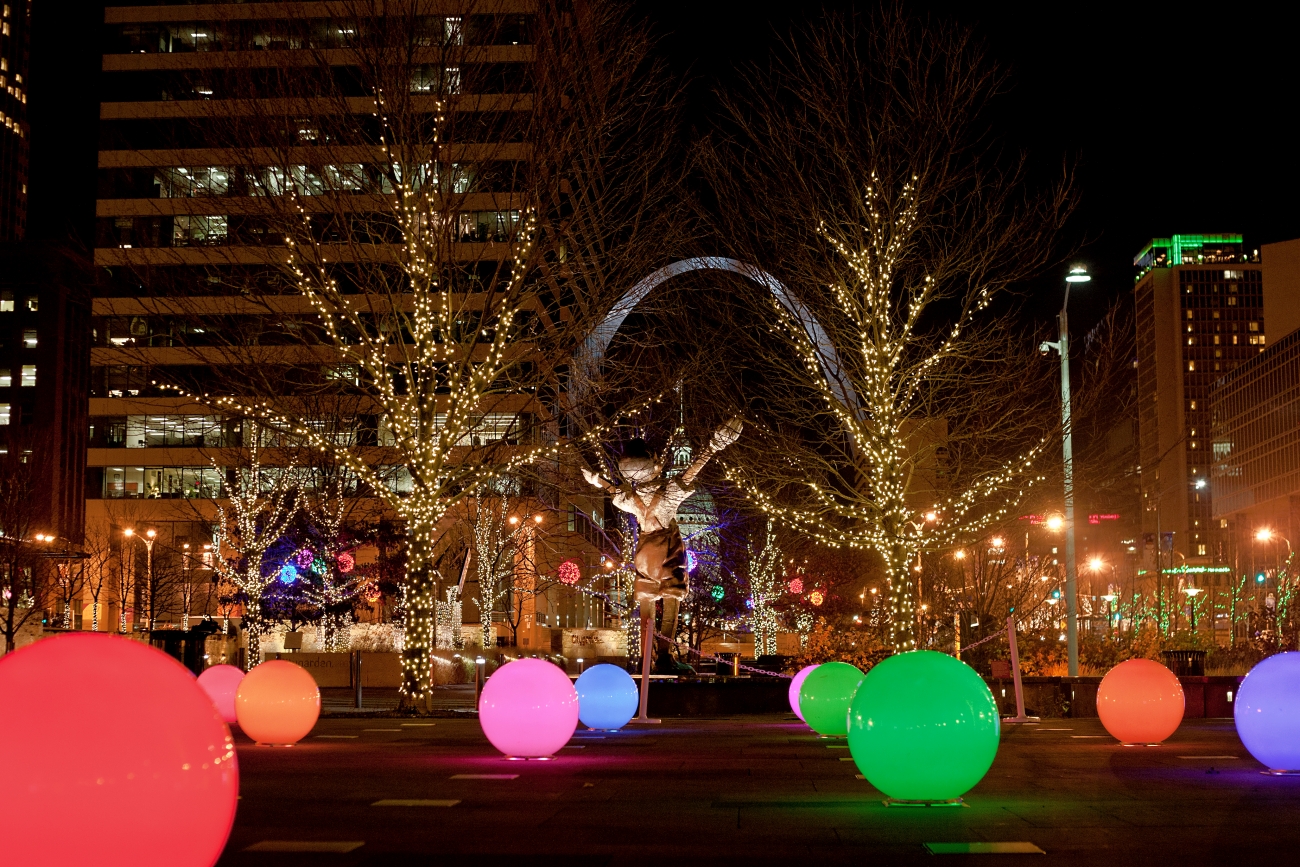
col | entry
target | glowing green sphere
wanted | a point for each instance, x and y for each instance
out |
(825, 695)
(923, 727)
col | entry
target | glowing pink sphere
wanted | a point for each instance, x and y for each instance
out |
(796, 586)
(105, 734)
(221, 682)
(1140, 702)
(795, 683)
(277, 703)
(528, 709)
(346, 562)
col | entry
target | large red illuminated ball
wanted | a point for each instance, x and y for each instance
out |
(105, 736)
(277, 703)
(1140, 702)
(221, 682)
(528, 709)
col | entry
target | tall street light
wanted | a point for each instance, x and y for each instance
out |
(1062, 347)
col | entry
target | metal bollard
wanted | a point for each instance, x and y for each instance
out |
(356, 676)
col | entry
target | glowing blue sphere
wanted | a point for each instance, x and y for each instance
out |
(607, 697)
(288, 573)
(1267, 712)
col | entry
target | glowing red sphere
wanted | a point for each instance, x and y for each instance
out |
(277, 703)
(107, 736)
(796, 586)
(569, 572)
(529, 708)
(1140, 702)
(221, 682)
(346, 562)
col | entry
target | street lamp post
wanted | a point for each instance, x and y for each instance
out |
(148, 539)
(1062, 347)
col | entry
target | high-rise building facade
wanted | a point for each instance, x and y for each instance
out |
(1199, 305)
(14, 19)
(187, 199)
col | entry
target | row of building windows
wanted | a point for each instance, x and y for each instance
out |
(195, 230)
(212, 431)
(317, 33)
(7, 302)
(26, 377)
(210, 482)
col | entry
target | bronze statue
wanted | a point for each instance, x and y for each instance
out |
(660, 558)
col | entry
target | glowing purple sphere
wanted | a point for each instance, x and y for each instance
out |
(528, 709)
(795, 683)
(1267, 712)
(221, 682)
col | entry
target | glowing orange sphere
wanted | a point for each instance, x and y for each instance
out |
(277, 703)
(221, 682)
(106, 734)
(1140, 702)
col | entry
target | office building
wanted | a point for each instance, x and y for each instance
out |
(1256, 429)
(1199, 306)
(14, 19)
(44, 372)
(182, 224)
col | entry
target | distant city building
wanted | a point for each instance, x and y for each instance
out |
(44, 372)
(1255, 428)
(13, 119)
(1199, 305)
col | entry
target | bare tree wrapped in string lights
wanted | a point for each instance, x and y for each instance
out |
(903, 411)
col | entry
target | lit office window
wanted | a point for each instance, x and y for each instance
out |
(33, 303)
(29, 338)
(29, 376)
(6, 302)
(6, 377)
(4, 413)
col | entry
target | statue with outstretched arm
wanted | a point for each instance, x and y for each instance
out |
(660, 558)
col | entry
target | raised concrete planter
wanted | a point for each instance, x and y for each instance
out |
(1076, 697)
(732, 697)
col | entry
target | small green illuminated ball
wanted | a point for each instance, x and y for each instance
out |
(825, 695)
(923, 727)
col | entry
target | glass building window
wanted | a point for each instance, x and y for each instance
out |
(162, 483)
(6, 302)
(29, 338)
(4, 413)
(29, 376)
(6, 377)
(33, 303)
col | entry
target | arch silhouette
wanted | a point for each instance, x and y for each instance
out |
(588, 357)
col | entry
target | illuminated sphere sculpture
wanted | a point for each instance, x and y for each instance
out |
(796, 683)
(1267, 712)
(221, 682)
(106, 734)
(528, 709)
(607, 697)
(1140, 702)
(923, 727)
(824, 697)
(277, 703)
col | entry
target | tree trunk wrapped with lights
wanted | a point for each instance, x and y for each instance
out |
(904, 410)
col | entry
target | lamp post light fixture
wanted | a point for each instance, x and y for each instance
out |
(148, 538)
(1062, 347)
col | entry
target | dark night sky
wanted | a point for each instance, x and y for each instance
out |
(1175, 113)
